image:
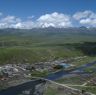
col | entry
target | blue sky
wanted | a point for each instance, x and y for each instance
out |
(35, 9)
(25, 8)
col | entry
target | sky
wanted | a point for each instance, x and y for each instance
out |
(46, 13)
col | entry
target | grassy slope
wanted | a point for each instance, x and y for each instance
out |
(20, 47)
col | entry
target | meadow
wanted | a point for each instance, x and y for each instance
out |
(29, 46)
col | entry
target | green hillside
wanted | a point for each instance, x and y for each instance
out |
(34, 45)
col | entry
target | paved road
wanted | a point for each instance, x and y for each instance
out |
(19, 88)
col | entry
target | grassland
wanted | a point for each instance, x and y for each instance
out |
(30, 46)
(21, 46)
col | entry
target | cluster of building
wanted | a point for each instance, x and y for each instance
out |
(11, 70)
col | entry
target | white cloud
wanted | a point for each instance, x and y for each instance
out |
(55, 20)
(58, 20)
(24, 25)
(9, 21)
(87, 18)
(88, 22)
(80, 15)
